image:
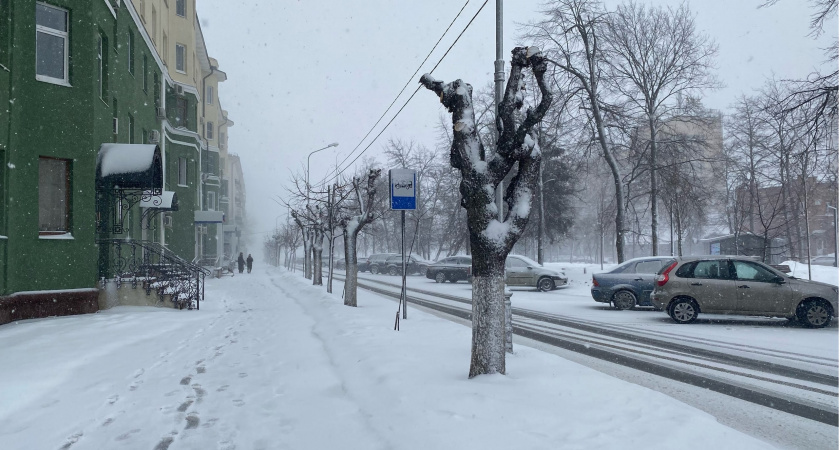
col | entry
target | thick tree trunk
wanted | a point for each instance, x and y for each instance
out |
(654, 211)
(488, 315)
(318, 258)
(351, 268)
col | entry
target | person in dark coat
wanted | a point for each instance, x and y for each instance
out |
(241, 262)
(250, 262)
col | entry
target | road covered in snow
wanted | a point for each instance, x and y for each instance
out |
(270, 362)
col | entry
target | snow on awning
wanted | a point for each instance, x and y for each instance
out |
(209, 217)
(137, 166)
(167, 201)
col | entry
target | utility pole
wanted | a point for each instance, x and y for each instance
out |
(499, 80)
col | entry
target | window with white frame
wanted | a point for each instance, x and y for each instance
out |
(100, 60)
(209, 134)
(51, 44)
(209, 95)
(181, 8)
(181, 58)
(211, 201)
(182, 171)
(154, 24)
(130, 52)
(53, 196)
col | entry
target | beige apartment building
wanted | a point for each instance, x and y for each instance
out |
(175, 31)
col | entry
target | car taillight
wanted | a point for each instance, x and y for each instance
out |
(663, 277)
(594, 281)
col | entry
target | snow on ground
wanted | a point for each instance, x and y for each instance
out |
(270, 362)
(823, 274)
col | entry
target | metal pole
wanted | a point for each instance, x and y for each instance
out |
(403, 296)
(835, 234)
(499, 80)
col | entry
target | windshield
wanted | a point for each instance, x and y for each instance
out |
(527, 260)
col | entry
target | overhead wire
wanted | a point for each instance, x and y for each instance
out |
(333, 177)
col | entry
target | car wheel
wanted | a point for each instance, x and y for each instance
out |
(545, 284)
(814, 313)
(440, 277)
(683, 310)
(393, 271)
(374, 270)
(623, 300)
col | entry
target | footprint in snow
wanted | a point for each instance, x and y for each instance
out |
(186, 380)
(192, 421)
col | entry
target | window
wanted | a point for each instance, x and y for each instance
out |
(51, 44)
(717, 270)
(181, 112)
(209, 95)
(102, 46)
(145, 73)
(181, 8)
(53, 196)
(130, 129)
(165, 50)
(211, 201)
(209, 130)
(181, 58)
(154, 24)
(749, 271)
(130, 53)
(649, 266)
(141, 6)
(182, 171)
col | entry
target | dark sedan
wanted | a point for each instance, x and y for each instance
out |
(413, 265)
(629, 284)
(452, 269)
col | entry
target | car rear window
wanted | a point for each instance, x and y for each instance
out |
(652, 266)
(665, 265)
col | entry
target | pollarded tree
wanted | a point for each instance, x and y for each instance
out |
(482, 169)
(352, 225)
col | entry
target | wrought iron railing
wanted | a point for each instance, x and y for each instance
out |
(154, 268)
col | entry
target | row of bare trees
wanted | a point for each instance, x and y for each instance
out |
(603, 128)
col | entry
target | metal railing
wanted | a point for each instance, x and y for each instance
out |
(155, 268)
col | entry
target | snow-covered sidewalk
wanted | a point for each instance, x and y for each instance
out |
(270, 362)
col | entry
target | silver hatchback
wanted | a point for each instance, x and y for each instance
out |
(736, 285)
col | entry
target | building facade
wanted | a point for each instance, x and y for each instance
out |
(94, 88)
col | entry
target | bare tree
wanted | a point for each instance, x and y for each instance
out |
(482, 170)
(365, 191)
(573, 30)
(656, 54)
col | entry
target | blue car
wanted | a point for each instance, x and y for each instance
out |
(629, 284)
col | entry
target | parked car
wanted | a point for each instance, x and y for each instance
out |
(413, 265)
(523, 271)
(629, 284)
(377, 263)
(452, 269)
(689, 286)
(825, 260)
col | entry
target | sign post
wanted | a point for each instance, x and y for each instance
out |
(403, 190)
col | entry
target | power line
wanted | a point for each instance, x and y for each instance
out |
(398, 95)
(327, 180)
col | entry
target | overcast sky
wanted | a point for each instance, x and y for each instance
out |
(303, 74)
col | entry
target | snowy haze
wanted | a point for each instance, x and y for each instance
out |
(305, 74)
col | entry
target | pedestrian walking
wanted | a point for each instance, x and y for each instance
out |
(250, 262)
(241, 262)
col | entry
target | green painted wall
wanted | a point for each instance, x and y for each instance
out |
(46, 119)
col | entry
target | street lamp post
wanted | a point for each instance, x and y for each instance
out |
(334, 144)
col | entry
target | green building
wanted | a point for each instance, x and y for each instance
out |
(101, 158)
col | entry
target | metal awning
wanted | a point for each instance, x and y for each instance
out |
(130, 166)
(209, 217)
(167, 201)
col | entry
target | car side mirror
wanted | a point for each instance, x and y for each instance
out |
(779, 280)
